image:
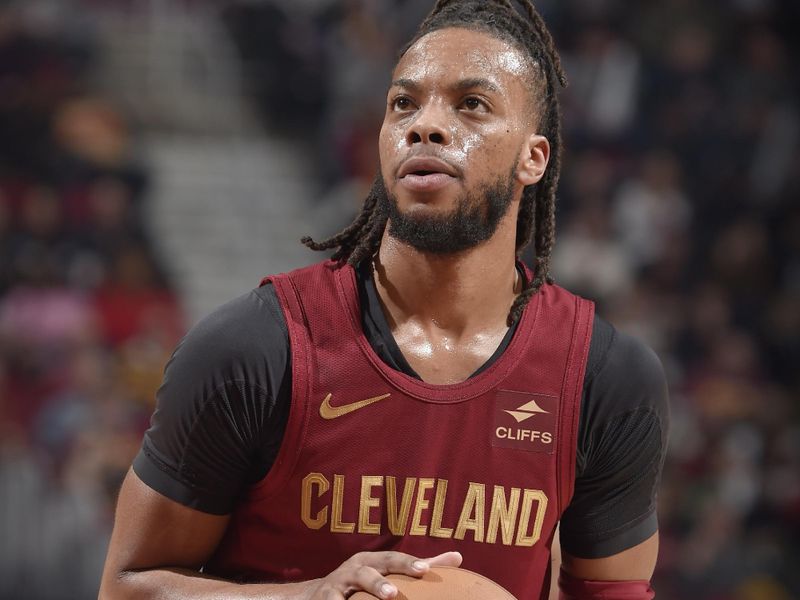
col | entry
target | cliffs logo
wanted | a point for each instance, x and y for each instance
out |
(525, 421)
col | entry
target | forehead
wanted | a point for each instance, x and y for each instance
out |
(458, 53)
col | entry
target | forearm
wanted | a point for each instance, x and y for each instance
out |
(185, 584)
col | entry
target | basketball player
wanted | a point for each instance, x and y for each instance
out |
(423, 398)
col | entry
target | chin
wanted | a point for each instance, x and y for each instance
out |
(419, 205)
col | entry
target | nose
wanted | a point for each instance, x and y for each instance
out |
(429, 127)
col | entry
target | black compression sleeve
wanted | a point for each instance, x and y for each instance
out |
(222, 407)
(621, 447)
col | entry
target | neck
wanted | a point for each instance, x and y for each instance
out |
(461, 293)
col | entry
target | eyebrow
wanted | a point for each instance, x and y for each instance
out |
(470, 83)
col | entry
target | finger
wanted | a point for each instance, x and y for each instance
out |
(370, 580)
(394, 562)
(446, 559)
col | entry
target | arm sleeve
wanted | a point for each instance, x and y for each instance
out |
(621, 448)
(222, 407)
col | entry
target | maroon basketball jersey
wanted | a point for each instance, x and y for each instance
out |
(373, 459)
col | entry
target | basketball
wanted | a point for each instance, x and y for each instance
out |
(444, 583)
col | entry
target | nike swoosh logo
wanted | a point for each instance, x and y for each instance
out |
(326, 411)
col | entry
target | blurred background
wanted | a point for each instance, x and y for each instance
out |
(157, 157)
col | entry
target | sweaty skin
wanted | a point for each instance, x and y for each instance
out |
(455, 96)
(459, 96)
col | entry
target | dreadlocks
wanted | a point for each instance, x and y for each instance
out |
(536, 218)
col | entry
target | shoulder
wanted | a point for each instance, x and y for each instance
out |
(243, 340)
(623, 372)
(245, 328)
(216, 407)
(257, 309)
(625, 405)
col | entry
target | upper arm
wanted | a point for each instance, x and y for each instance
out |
(152, 531)
(625, 420)
(219, 418)
(222, 407)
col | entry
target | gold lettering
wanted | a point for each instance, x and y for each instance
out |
(503, 515)
(528, 497)
(438, 511)
(505, 508)
(398, 518)
(368, 502)
(337, 525)
(310, 480)
(424, 484)
(474, 504)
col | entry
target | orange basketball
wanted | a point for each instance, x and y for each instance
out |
(443, 583)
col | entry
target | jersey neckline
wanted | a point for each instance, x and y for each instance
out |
(476, 385)
(379, 334)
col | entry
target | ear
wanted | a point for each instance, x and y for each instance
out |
(533, 159)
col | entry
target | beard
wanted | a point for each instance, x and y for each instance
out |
(473, 221)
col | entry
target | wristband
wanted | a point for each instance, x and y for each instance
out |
(571, 588)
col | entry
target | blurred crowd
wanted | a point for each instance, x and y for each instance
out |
(678, 213)
(87, 318)
(680, 216)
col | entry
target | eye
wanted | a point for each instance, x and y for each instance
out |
(402, 103)
(473, 104)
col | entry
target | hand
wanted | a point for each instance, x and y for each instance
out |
(365, 571)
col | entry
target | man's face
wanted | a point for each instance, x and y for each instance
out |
(455, 131)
